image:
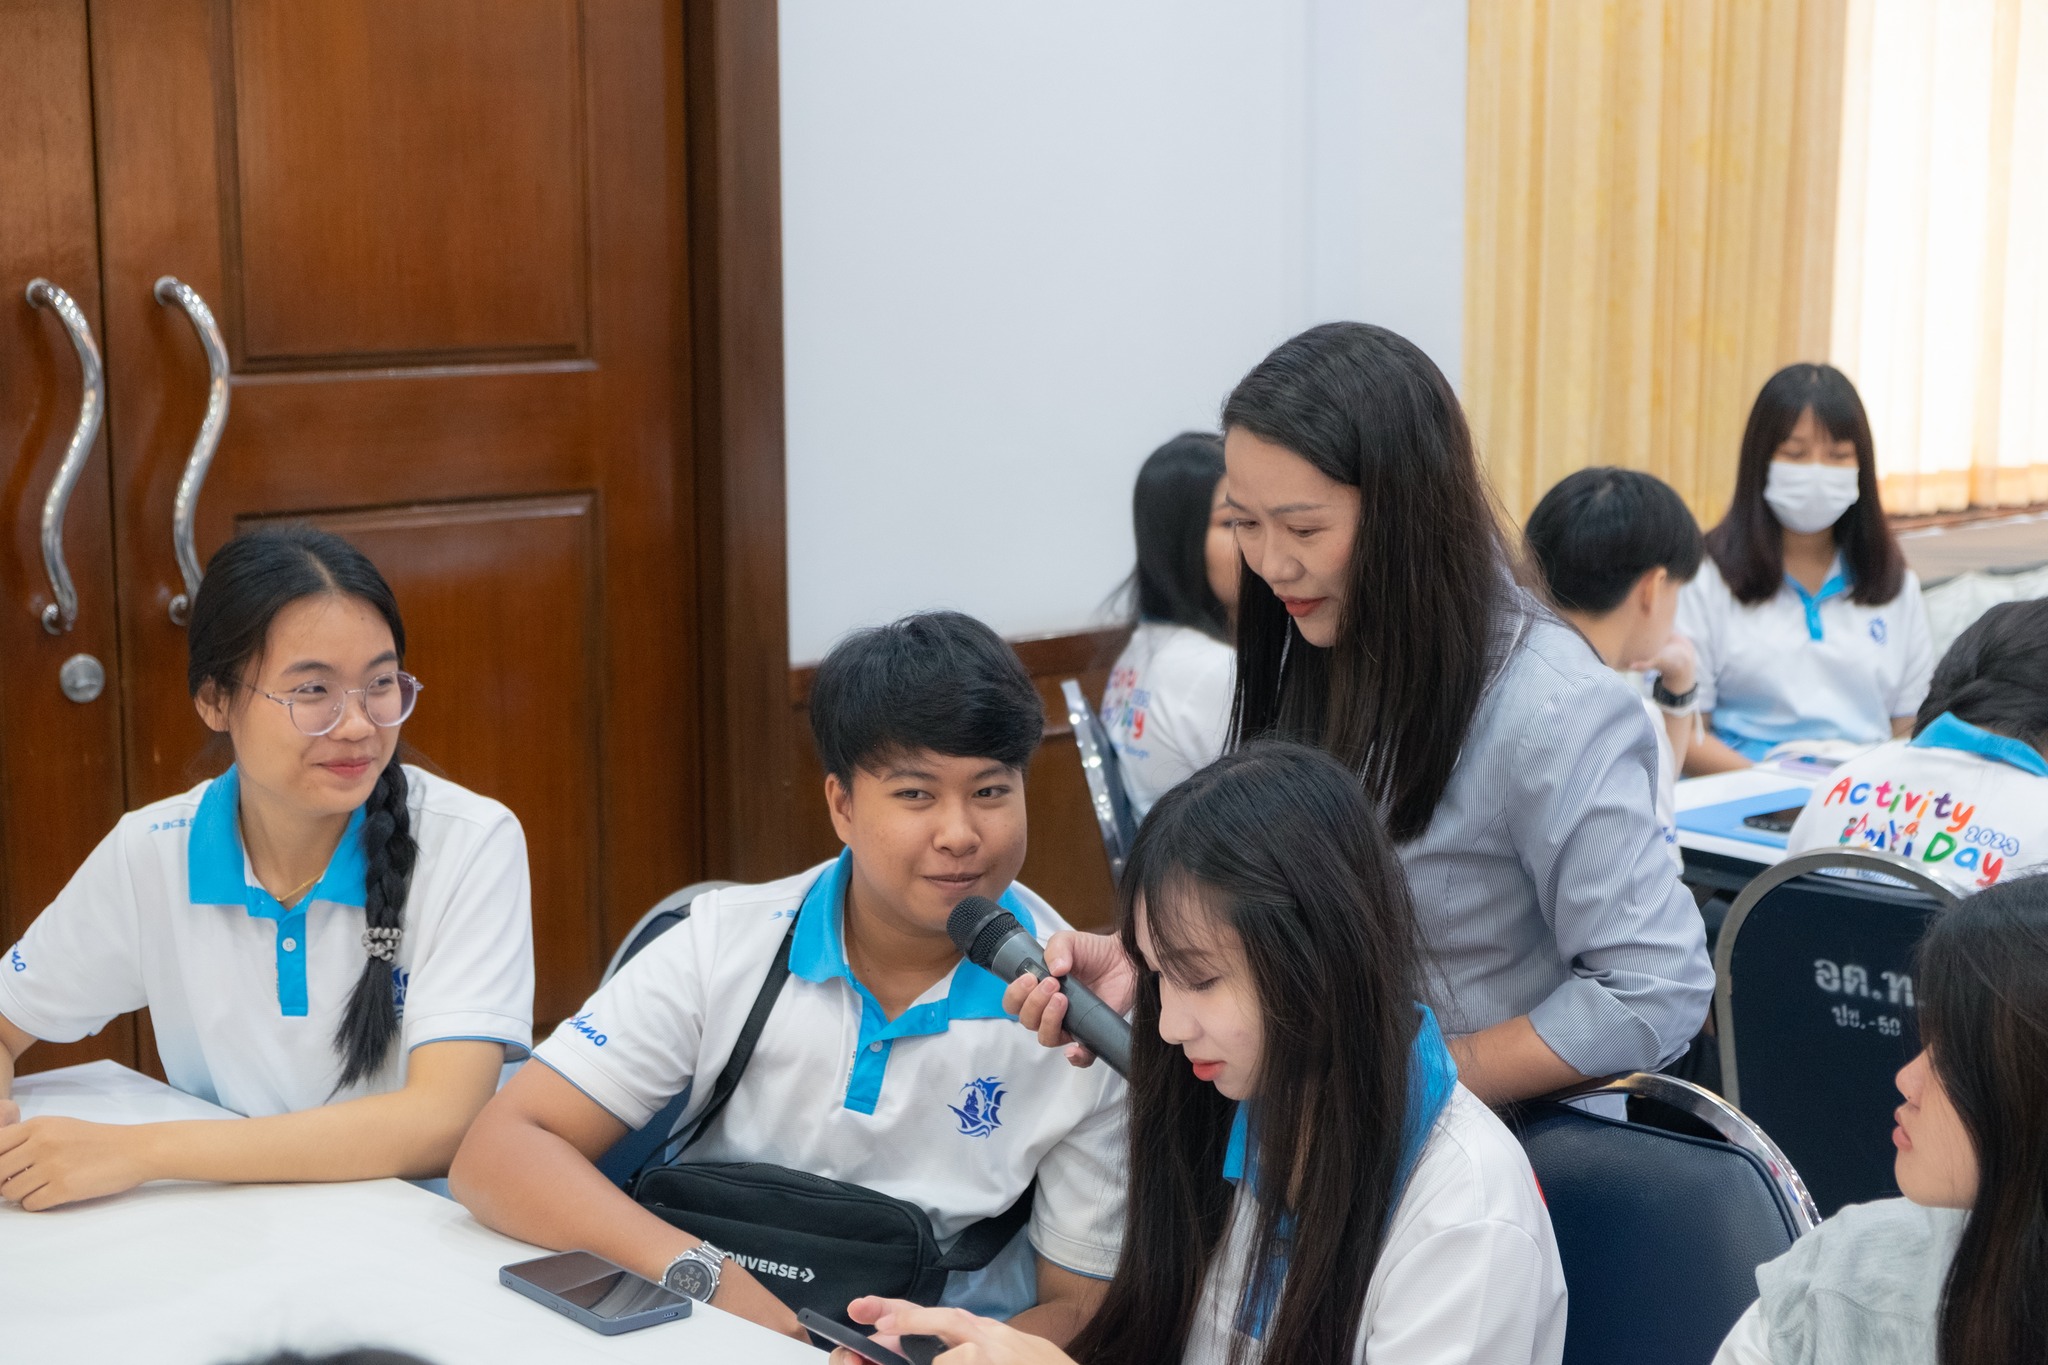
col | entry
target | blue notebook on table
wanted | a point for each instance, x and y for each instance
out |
(1725, 818)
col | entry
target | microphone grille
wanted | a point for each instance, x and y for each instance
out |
(974, 919)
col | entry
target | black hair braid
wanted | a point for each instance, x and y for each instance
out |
(370, 1024)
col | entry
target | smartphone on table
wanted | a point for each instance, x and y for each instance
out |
(602, 1296)
(1775, 821)
(916, 1350)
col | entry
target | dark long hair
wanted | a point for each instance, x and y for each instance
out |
(248, 582)
(1170, 506)
(1995, 675)
(1748, 545)
(1277, 841)
(1983, 979)
(1429, 582)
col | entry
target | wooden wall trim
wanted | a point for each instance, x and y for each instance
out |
(733, 213)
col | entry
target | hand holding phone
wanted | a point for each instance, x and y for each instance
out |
(861, 1344)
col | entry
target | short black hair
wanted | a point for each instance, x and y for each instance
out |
(1995, 675)
(939, 681)
(1596, 534)
(1170, 507)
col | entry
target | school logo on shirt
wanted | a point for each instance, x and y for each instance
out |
(1877, 629)
(581, 1023)
(980, 1109)
(400, 979)
(14, 960)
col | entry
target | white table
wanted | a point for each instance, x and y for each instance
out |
(186, 1274)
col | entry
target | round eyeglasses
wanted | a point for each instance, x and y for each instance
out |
(317, 707)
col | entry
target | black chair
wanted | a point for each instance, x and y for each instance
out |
(627, 1155)
(1113, 814)
(1814, 1007)
(1661, 1220)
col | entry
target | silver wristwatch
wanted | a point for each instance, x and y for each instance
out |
(696, 1272)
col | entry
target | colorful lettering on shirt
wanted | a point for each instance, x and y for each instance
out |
(1955, 841)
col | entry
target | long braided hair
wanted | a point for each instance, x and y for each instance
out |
(248, 582)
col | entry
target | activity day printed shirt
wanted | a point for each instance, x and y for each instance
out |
(1969, 804)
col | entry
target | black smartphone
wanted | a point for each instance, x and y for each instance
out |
(603, 1297)
(862, 1345)
(1774, 821)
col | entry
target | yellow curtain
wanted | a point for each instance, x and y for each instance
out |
(1650, 216)
(1941, 297)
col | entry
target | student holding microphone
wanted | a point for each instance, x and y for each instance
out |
(1310, 1181)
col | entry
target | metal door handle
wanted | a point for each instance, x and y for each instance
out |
(60, 615)
(185, 507)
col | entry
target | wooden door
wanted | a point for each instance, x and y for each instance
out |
(60, 760)
(443, 242)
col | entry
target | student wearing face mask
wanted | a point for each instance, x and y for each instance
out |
(1806, 620)
(1955, 1273)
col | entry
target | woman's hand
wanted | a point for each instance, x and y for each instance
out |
(10, 1112)
(971, 1340)
(45, 1162)
(1097, 961)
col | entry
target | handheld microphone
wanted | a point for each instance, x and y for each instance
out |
(992, 939)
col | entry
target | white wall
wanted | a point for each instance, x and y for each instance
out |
(1024, 241)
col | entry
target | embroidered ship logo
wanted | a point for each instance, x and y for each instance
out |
(980, 1109)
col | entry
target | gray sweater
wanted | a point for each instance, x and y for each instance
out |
(1542, 885)
(1862, 1289)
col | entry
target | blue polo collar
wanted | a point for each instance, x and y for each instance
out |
(1950, 731)
(1432, 1075)
(818, 954)
(1837, 585)
(218, 873)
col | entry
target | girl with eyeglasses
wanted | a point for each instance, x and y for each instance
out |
(331, 943)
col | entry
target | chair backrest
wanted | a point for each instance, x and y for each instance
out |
(626, 1156)
(1660, 1232)
(1113, 814)
(1814, 1007)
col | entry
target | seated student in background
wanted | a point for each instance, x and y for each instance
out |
(334, 944)
(1380, 619)
(1296, 1119)
(881, 1035)
(1967, 796)
(1614, 547)
(1167, 706)
(1807, 622)
(1955, 1273)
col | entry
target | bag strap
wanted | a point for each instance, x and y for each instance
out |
(982, 1242)
(742, 1053)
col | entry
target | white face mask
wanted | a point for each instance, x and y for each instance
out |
(1809, 497)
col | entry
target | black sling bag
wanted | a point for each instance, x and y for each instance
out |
(815, 1243)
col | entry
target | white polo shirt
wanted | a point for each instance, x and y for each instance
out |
(1469, 1272)
(950, 1106)
(1800, 666)
(245, 996)
(1167, 707)
(1968, 804)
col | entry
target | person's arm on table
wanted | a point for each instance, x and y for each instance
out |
(526, 1169)
(13, 1042)
(410, 1132)
(1709, 755)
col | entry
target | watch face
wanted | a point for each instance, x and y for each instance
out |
(691, 1277)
